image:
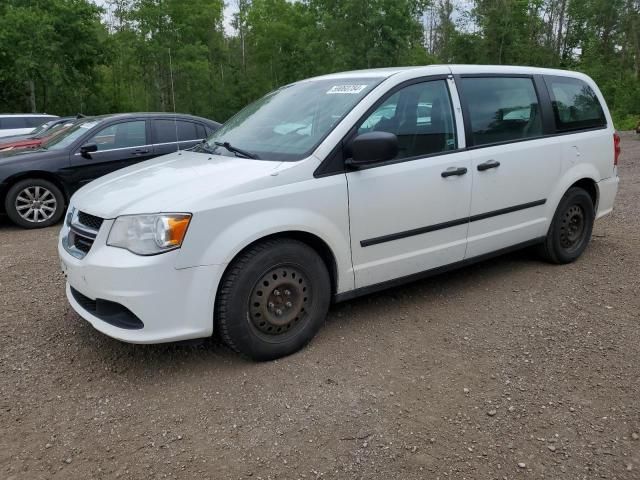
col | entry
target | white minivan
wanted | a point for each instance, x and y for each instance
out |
(22, 124)
(335, 187)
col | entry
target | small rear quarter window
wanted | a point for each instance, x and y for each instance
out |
(575, 104)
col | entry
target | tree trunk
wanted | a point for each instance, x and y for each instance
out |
(32, 96)
(563, 7)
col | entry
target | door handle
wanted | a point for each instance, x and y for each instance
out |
(451, 171)
(487, 165)
(140, 151)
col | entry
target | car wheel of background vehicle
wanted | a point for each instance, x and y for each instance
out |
(34, 203)
(570, 230)
(273, 299)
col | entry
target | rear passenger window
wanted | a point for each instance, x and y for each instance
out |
(13, 122)
(33, 122)
(502, 109)
(170, 131)
(575, 105)
(420, 115)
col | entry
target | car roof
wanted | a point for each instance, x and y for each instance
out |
(461, 69)
(112, 116)
(453, 68)
(8, 115)
(63, 119)
(368, 73)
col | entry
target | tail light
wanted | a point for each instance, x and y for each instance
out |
(616, 148)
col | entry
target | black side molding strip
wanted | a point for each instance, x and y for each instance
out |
(449, 224)
(502, 211)
(358, 292)
(415, 231)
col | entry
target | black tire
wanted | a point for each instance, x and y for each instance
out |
(50, 198)
(273, 299)
(570, 229)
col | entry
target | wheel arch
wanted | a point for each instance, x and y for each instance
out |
(583, 175)
(591, 187)
(320, 246)
(36, 174)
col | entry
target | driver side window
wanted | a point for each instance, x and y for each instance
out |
(420, 115)
(383, 114)
(121, 135)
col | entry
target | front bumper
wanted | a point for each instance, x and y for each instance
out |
(173, 304)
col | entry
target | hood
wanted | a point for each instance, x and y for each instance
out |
(29, 142)
(169, 184)
(13, 138)
(22, 155)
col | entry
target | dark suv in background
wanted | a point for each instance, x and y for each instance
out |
(35, 185)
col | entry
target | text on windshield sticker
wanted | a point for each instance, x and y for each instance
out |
(346, 89)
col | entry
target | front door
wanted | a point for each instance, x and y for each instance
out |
(119, 145)
(411, 214)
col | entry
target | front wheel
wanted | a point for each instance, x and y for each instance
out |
(34, 203)
(571, 227)
(273, 299)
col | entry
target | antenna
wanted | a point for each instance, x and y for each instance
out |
(173, 98)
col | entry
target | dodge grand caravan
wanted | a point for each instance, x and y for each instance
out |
(334, 187)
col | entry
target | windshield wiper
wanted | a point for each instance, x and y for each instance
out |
(203, 147)
(237, 151)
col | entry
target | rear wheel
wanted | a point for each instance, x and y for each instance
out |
(34, 203)
(273, 299)
(570, 230)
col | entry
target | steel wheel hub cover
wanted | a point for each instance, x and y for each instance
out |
(279, 299)
(573, 225)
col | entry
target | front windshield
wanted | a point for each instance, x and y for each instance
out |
(41, 129)
(50, 131)
(286, 125)
(59, 142)
(57, 130)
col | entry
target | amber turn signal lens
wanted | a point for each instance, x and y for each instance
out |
(177, 229)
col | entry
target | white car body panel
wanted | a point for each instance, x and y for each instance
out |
(8, 132)
(166, 177)
(237, 201)
(176, 304)
(397, 198)
(526, 174)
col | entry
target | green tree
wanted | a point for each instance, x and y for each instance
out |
(65, 56)
(49, 52)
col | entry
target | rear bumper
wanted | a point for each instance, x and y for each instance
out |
(607, 190)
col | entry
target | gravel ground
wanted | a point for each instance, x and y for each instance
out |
(512, 368)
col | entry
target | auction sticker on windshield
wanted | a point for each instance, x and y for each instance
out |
(348, 89)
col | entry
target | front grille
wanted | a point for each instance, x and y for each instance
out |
(90, 221)
(110, 312)
(82, 233)
(81, 243)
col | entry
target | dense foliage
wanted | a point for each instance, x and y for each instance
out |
(68, 56)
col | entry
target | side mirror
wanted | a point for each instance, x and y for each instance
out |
(372, 147)
(88, 148)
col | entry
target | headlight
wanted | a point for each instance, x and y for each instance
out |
(149, 234)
